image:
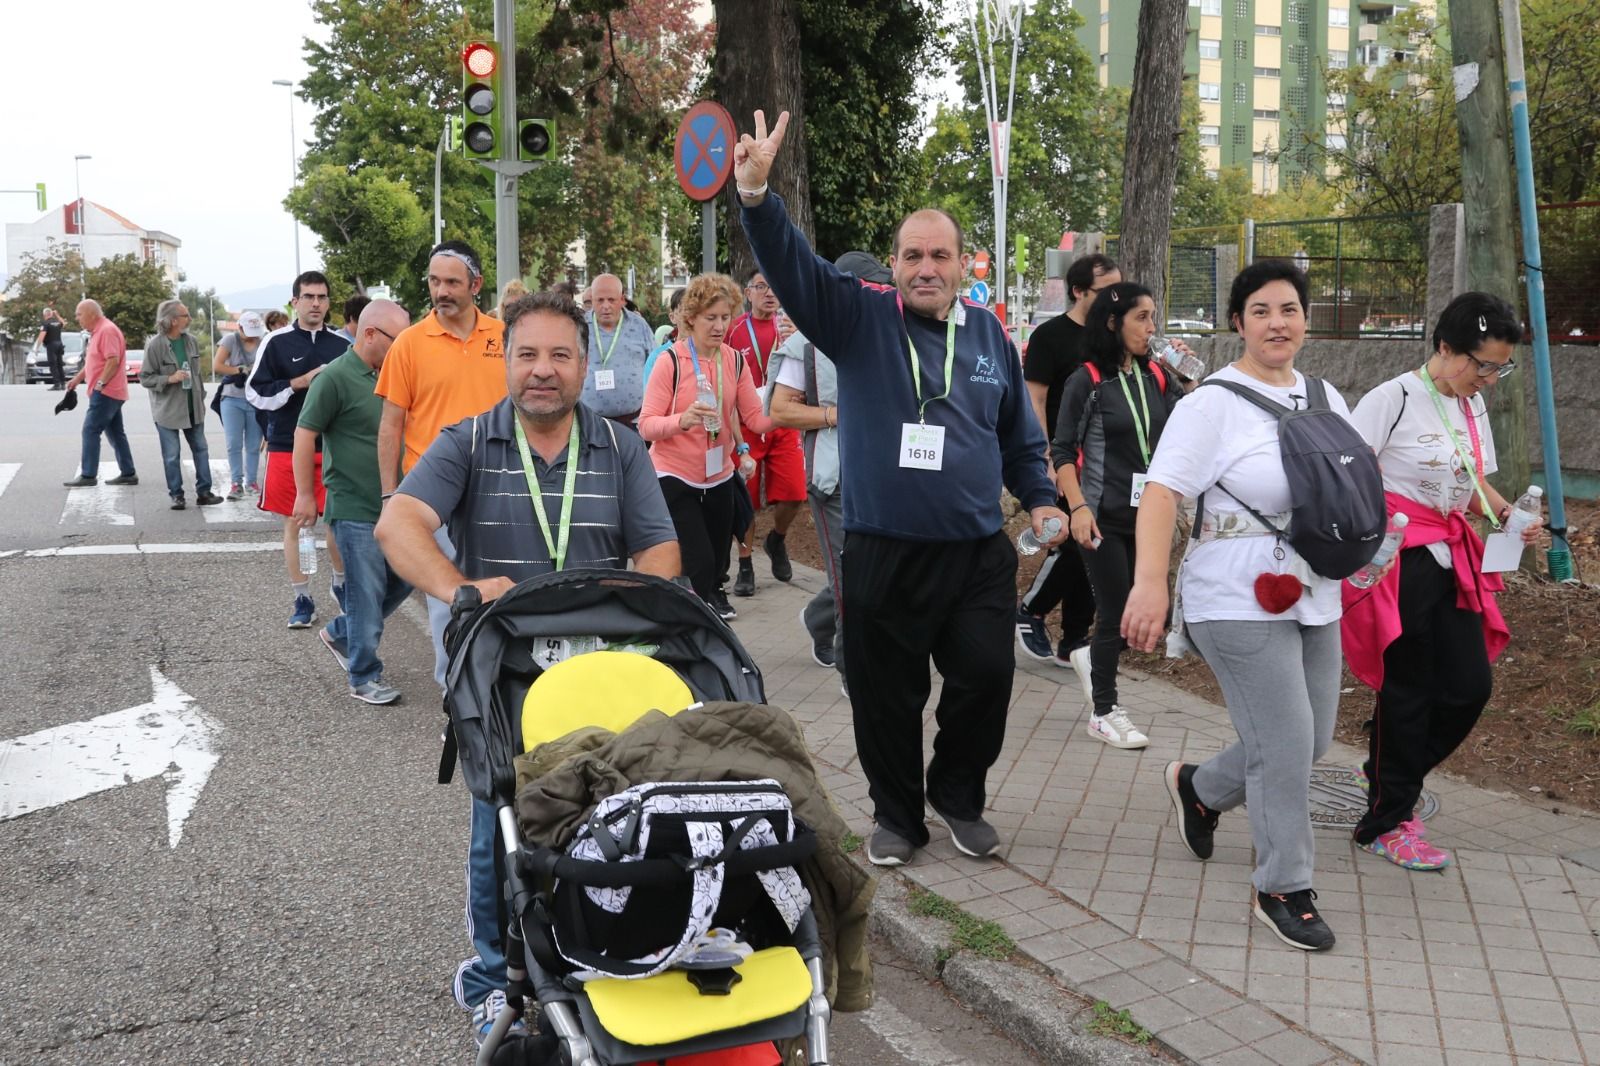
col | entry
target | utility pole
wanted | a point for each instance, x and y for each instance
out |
(1001, 19)
(1488, 197)
(507, 260)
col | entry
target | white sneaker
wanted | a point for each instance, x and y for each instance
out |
(1079, 657)
(1116, 730)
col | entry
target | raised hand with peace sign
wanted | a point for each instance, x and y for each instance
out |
(753, 156)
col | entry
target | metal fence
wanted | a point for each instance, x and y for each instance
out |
(1569, 241)
(1201, 263)
(1368, 274)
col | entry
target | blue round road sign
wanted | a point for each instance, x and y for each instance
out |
(979, 293)
(703, 154)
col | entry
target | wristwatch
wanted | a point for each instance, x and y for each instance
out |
(743, 449)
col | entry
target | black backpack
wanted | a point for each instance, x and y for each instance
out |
(1338, 515)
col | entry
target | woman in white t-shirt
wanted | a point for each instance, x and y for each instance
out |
(1423, 637)
(1266, 625)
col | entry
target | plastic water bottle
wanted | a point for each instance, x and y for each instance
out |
(188, 380)
(1191, 367)
(1525, 511)
(703, 394)
(1028, 544)
(1364, 577)
(308, 551)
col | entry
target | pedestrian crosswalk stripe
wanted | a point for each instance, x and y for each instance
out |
(101, 504)
(242, 510)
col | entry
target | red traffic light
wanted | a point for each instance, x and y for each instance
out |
(479, 59)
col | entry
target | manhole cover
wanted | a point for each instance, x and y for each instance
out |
(1337, 801)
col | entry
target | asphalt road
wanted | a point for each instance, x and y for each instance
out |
(311, 908)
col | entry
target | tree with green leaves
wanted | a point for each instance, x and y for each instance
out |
(129, 290)
(377, 225)
(48, 278)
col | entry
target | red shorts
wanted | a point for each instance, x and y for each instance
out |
(277, 488)
(780, 468)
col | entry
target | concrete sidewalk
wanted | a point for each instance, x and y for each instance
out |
(1492, 961)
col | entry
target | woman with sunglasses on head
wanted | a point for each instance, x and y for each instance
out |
(1423, 636)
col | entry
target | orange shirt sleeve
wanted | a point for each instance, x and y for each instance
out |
(657, 419)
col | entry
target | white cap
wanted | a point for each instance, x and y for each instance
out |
(1535, 490)
(251, 325)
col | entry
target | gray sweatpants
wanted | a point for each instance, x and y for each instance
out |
(823, 616)
(1281, 682)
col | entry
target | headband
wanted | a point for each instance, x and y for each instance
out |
(472, 265)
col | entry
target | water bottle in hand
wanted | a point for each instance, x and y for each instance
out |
(308, 551)
(1396, 536)
(188, 380)
(1191, 367)
(1525, 512)
(1028, 544)
(703, 394)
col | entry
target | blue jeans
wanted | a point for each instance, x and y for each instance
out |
(104, 416)
(372, 592)
(244, 439)
(196, 436)
(478, 976)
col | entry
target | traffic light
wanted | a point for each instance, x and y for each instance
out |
(1019, 261)
(480, 100)
(452, 133)
(39, 194)
(536, 140)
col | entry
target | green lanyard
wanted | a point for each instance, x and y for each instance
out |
(916, 360)
(606, 357)
(1138, 426)
(1467, 460)
(557, 547)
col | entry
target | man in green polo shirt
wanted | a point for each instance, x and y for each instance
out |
(342, 407)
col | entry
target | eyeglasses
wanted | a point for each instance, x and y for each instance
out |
(759, 286)
(385, 332)
(1492, 370)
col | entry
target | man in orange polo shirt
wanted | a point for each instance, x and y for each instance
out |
(445, 368)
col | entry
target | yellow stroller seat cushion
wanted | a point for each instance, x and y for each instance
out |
(607, 689)
(668, 1008)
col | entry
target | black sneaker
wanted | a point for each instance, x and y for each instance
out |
(1197, 823)
(207, 499)
(81, 482)
(745, 584)
(178, 504)
(123, 479)
(1293, 918)
(719, 603)
(976, 838)
(1033, 636)
(778, 551)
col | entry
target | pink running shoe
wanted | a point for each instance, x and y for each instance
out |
(1405, 845)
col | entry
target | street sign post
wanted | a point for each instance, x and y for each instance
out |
(702, 155)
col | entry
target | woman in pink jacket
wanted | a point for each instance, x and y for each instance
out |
(696, 395)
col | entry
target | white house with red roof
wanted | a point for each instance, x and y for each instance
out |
(103, 232)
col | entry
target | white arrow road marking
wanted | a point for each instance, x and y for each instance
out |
(169, 737)
(99, 505)
(7, 472)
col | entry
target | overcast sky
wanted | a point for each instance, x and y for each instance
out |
(175, 103)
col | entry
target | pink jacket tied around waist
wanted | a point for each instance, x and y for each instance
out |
(1372, 615)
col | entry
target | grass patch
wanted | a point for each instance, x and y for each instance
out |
(1117, 1023)
(1587, 721)
(977, 935)
(850, 844)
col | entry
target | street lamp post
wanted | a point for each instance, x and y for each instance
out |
(83, 219)
(293, 167)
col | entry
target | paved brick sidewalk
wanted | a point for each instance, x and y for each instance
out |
(1493, 961)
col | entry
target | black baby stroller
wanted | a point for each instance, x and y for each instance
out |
(601, 648)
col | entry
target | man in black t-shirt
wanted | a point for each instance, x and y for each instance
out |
(1054, 351)
(54, 349)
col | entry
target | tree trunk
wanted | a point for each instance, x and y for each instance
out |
(758, 66)
(1150, 155)
(1487, 195)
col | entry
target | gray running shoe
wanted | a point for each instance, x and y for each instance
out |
(375, 692)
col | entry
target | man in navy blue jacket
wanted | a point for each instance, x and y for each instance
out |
(935, 420)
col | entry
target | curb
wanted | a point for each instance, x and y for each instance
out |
(1019, 997)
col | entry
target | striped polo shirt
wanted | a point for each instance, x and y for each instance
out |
(472, 477)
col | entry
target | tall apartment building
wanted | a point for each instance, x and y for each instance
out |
(1257, 66)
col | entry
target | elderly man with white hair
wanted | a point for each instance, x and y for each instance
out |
(620, 341)
(178, 401)
(103, 361)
